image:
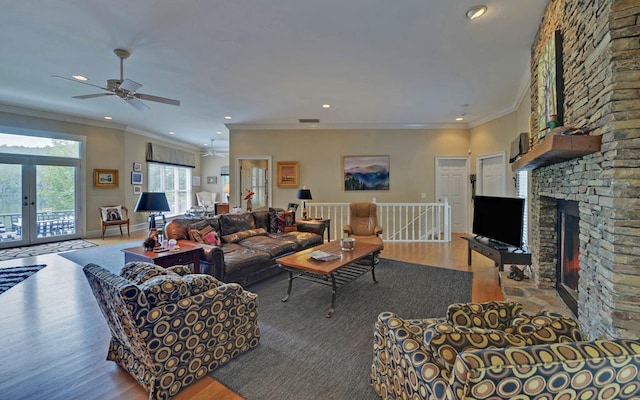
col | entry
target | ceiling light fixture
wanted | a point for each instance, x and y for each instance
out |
(80, 77)
(219, 132)
(326, 106)
(227, 117)
(476, 12)
(108, 117)
(459, 119)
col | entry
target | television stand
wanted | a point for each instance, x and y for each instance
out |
(500, 253)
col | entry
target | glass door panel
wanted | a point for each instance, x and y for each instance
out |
(55, 202)
(11, 178)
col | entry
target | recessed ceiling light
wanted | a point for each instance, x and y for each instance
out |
(172, 133)
(227, 117)
(108, 117)
(326, 106)
(219, 133)
(80, 77)
(459, 119)
(476, 12)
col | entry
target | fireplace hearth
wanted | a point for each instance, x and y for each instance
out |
(568, 264)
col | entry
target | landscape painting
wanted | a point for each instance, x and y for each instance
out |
(366, 173)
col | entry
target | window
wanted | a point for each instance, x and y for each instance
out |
(522, 190)
(175, 182)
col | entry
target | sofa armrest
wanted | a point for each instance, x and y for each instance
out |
(599, 366)
(399, 354)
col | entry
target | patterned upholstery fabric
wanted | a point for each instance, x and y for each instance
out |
(172, 328)
(416, 359)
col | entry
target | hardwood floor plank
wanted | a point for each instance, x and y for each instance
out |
(54, 339)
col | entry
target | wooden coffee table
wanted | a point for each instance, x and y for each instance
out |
(188, 254)
(336, 273)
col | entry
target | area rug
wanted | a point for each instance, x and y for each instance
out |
(48, 248)
(304, 355)
(110, 257)
(11, 276)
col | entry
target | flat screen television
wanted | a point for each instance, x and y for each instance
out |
(499, 219)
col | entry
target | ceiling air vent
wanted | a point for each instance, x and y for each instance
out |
(309, 120)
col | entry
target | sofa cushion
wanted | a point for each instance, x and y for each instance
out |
(197, 235)
(302, 239)
(446, 340)
(275, 247)
(548, 327)
(489, 315)
(138, 272)
(239, 258)
(238, 236)
(232, 223)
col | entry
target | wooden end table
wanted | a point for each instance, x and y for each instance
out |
(188, 254)
(335, 273)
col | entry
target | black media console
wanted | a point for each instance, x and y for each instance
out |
(501, 254)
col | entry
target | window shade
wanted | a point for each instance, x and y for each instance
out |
(166, 155)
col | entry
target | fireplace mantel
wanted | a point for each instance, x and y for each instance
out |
(557, 148)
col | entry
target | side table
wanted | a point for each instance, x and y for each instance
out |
(321, 225)
(188, 254)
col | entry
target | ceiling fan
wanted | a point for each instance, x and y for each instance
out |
(212, 152)
(126, 89)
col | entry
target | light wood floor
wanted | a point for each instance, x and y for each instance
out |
(54, 340)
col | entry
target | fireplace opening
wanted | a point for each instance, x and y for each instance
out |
(568, 265)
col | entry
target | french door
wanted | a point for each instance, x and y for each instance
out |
(38, 200)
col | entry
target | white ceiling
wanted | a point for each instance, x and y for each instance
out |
(380, 63)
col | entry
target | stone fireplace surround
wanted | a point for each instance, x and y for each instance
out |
(601, 61)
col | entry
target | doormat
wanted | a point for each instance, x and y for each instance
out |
(11, 276)
(47, 248)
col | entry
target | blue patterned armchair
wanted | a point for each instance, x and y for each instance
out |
(494, 350)
(169, 327)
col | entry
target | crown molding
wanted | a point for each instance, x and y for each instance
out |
(31, 112)
(355, 126)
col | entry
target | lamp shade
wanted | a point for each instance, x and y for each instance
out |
(152, 201)
(304, 194)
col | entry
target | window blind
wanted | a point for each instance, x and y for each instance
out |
(167, 155)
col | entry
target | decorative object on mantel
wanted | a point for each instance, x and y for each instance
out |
(568, 130)
(550, 87)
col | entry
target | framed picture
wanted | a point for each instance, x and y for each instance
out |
(137, 189)
(137, 166)
(212, 180)
(366, 172)
(288, 174)
(195, 180)
(550, 87)
(136, 178)
(105, 178)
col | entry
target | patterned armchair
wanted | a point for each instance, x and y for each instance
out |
(497, 351)
(169, 327)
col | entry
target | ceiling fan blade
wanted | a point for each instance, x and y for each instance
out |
(77, 81)
(91, 96)
(136, 103)
(157, 99)
(129, 85)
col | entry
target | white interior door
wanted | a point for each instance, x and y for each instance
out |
(491, 175)
(452, 184)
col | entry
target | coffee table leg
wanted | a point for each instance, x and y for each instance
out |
(333, 297)
(290, 284)
(373, 266)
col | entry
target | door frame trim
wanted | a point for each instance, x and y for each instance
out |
(483, 157)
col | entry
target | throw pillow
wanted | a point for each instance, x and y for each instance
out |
(197, 235)
(489, 315)
(548, 327)
(111, 213)
(238, 236)
(212, 238)
(446, 341)
(285, 218)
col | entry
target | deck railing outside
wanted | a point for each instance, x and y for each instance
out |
(402, 222)
(48, 223)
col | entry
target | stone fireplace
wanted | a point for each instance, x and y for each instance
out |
(601, 63)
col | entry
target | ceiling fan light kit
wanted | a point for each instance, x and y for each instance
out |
(476, 12)
(126, 89)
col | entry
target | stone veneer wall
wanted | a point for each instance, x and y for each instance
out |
(601, 61)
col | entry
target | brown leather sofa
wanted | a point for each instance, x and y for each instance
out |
(249, 244)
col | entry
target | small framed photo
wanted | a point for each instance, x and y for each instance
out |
(212, 180)
(288, 174)
(137, 166)
(137, 189)
(105, 178)
(136, 178)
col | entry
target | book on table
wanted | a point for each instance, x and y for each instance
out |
(323, 255)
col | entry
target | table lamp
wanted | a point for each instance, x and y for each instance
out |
(304, 195)
(154, 203)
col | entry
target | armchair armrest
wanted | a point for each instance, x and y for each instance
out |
(347, 229)
(377, 230)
